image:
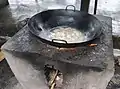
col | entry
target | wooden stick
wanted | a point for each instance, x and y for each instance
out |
(52, 86)
(92, 45)
(54, 77)
(1, 56)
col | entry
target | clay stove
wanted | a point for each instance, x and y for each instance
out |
(27, 56)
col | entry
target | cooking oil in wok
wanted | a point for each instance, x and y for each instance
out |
(69, 34)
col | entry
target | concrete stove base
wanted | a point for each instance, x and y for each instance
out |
(29, 72)
(27, 63)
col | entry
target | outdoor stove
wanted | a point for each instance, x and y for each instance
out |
(82, 55)
(26, 53)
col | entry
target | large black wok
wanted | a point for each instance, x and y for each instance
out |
(43, 23)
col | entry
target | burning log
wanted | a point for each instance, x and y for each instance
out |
(54, 77)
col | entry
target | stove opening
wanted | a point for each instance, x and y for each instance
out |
(53, 76)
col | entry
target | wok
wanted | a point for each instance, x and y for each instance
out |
(43, 23)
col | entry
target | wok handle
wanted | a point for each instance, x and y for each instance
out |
(53, 40)
(70, 6)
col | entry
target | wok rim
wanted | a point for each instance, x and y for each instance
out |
(32, 30)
